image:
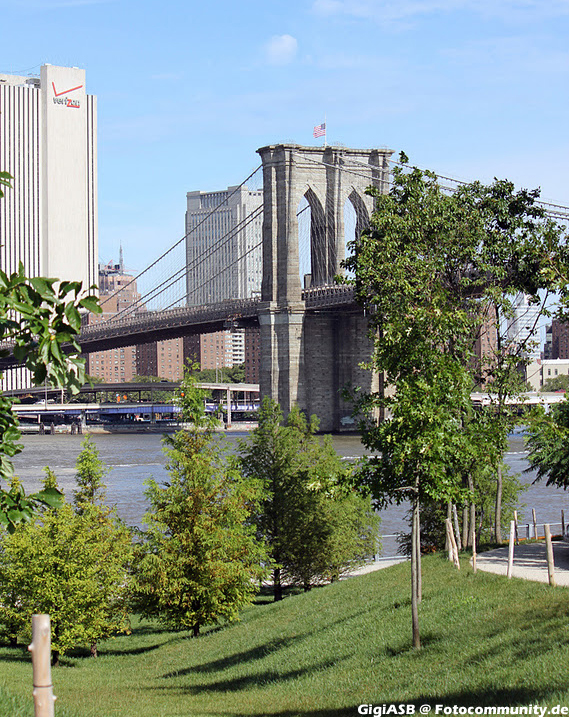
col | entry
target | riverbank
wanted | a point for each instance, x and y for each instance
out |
(127, 429)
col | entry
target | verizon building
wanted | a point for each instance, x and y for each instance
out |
(48, 143)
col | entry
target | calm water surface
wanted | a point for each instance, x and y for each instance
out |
(133, 458)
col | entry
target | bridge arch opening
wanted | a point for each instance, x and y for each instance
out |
(313, 249)
(356, 219)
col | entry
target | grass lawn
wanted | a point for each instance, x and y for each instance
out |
(487, 641)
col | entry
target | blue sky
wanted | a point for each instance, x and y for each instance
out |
(187, 91)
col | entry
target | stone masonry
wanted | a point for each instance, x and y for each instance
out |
(308, 358)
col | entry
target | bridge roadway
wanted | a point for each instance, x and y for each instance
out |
(150, 326)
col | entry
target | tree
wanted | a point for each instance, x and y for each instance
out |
(548, 443)
(200, 561)
(37, 317)
(39, 322)
(557, 383)
(89, 477)
(314, 526)
(73, 566)
(435, 270)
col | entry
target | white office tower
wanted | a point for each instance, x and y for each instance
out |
(48, 143)
(523, 326)
(223, 245)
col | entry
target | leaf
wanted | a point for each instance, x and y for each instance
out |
(91, 303)
(52, 497)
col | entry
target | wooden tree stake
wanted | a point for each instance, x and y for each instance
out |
(456, 527)
(549, 553)
(516, 525)
(511, 548)
(534, 523)
(40, 648)
(473, 539)
(453, 544)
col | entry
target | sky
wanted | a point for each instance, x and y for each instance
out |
(188, 91)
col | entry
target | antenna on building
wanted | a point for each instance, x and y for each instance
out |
(121, 260)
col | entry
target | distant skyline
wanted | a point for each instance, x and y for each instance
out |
(187, 92)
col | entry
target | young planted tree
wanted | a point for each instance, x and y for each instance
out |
(90, 476)
(73, 566)
(314, 526)
(436, 270)
(200, 561)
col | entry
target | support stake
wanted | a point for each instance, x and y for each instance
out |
(511, 548)
(40, 648)
(549, 553)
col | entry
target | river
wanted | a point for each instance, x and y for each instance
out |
(133, 458)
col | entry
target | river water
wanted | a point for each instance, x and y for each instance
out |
(134, 458)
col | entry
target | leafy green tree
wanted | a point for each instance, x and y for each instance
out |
(436, 270)
(557, 383)
(38, 317)
(314, 526)
(200, 561)
(548, 443)
(73, 567)
(5, 178)
(90, 475)
(235, 374)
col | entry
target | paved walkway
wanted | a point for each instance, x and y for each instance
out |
(530, 562)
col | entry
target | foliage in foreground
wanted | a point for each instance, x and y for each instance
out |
(73, 567)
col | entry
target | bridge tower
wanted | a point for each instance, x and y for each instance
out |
(307, 358)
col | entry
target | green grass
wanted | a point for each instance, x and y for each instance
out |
(486, 641)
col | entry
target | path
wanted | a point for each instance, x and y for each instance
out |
(529, 562)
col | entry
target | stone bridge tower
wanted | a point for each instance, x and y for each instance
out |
(307, 358)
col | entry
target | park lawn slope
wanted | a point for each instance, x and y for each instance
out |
(486, 641)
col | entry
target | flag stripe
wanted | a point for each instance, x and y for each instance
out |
(320, 130)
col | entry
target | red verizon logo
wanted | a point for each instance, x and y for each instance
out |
(66, 101)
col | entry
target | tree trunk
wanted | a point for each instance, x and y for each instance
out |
(456, 527)
(415, 569)
(449, 517)
(277, 587)
(498, 514)
(196, 630)
(418, 549)
(94, 649)
(55, 658)
(465, 527)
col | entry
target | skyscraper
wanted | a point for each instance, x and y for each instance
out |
(48, 143)
(523, 326)
(223, 245)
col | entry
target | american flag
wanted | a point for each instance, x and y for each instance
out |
(320, 130)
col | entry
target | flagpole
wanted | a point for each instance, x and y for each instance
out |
(325, 129)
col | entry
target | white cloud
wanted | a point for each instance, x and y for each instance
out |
(281, 49)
